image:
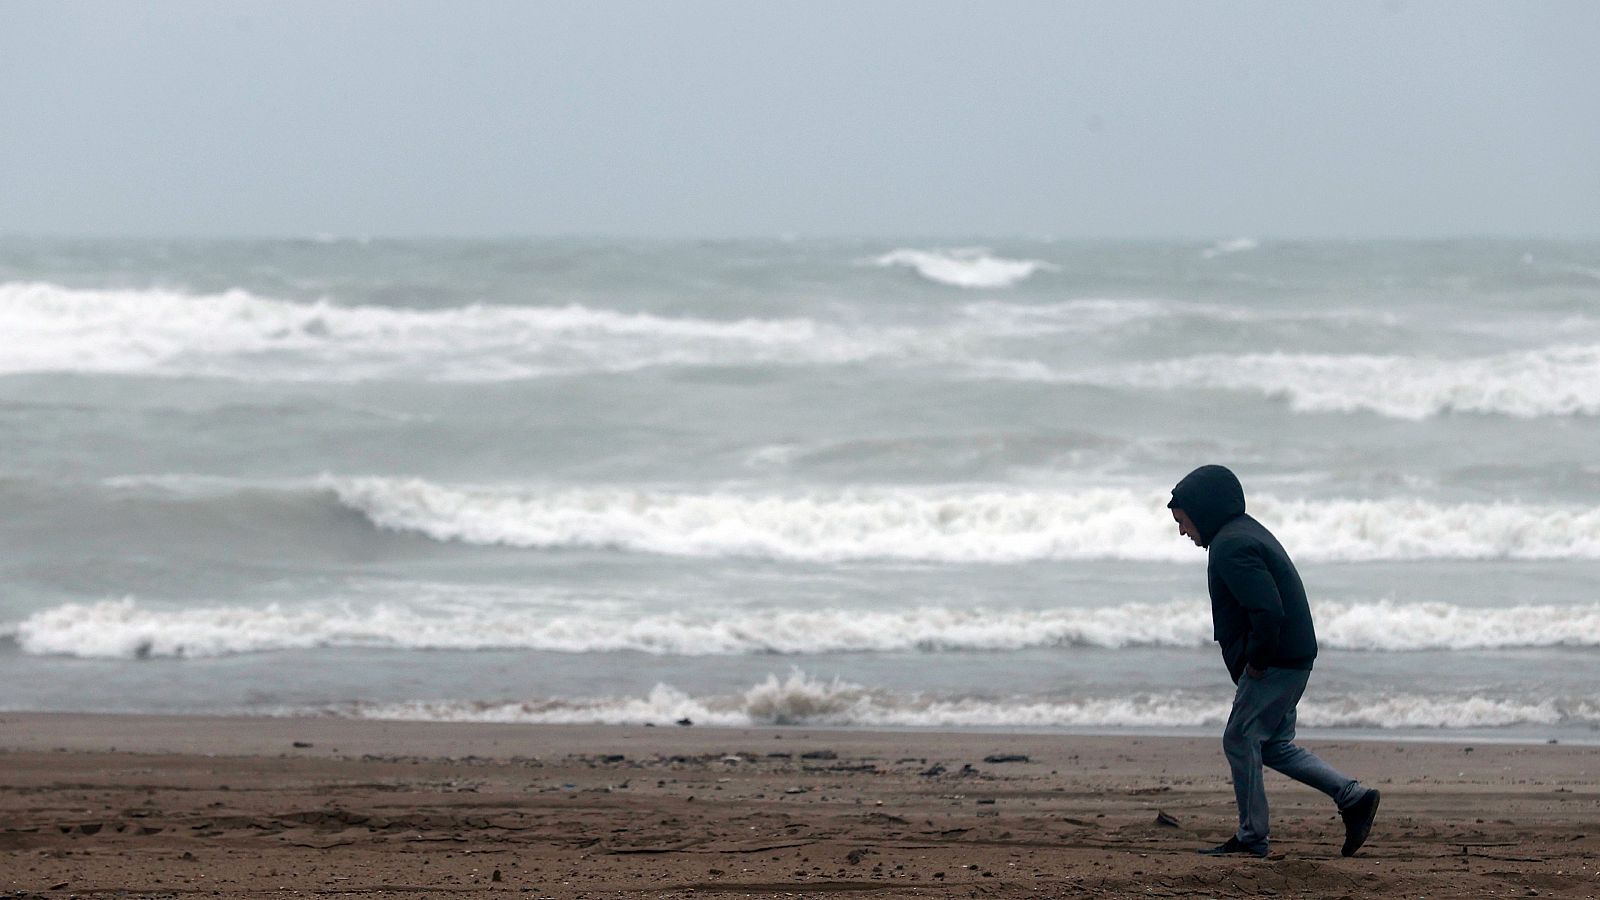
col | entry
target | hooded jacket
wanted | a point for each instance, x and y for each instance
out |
(1259, 613)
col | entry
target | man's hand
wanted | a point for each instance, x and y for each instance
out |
(1251, 670)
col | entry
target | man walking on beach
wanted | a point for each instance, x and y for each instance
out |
(1260, 617)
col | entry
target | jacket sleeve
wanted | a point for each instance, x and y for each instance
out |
(1245, 573)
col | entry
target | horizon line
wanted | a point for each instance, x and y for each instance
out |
(329, 237)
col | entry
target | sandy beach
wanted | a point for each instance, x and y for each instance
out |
(166, 806)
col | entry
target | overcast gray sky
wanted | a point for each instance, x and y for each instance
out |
(746, 118)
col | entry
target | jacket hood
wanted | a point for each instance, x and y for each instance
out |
(1212, 497)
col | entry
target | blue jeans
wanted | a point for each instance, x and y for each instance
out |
(1261, 731)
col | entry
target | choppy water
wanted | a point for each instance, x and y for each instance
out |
(843, 483)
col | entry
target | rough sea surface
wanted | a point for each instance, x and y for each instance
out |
(891, 483)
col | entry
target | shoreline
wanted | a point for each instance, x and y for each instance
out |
(1423, 736)
(148, 806)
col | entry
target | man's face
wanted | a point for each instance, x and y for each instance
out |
(1186, 526)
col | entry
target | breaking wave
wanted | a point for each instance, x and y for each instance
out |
(803, 700)
(123, 629)
(957, 526)
(238, 335)
(967, 267)
(235, 334)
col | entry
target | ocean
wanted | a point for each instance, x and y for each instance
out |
(814, 482)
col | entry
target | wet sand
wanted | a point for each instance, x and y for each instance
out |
(115, 806)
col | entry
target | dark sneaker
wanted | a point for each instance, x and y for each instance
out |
(1234, 847)
(1358, 821)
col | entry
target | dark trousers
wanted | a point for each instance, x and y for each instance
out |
(1261, 732)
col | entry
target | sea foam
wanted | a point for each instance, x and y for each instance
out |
(126, 629)
(973, 525)
(799, 699)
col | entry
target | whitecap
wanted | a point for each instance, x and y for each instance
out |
(967, 267)
(1228, 247)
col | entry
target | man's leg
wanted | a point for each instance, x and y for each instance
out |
(1279, 750)
(1357, 805)
(1259, 706)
